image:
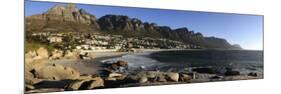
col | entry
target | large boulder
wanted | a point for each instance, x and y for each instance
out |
(161, 78)
(122, 63)
(89, 83)
(119, 66)
(75, 85)
(56, 54)
(173, 76)
(143, 80)
(42, 52)
(70, 55)
(84, 55)
(35, 64)
(30, 79)
(29, 87)
(184, 77)
(152, 74)
(116, 76)
(57, 72)
(29, 56)
(96, 83)
(91, 55)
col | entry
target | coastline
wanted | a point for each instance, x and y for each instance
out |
(118, 78)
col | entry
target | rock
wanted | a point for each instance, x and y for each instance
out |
(184, 77)
(84, 55)
(115, 75)
(152, 74)
(70, 55)
(44, 90)
(56, 54)
(205, 70)
(29, 78)
(239, 77)
(143, 80)
(253, 74)
(216, 77)
(138, 75)
(88, 83)
(75, 85)
(111, 79)
(42, 52)
(54, 39)
(161, 78)
(96, 83)
(231, 73)
(91, 55)
(122, 63)
(29, 87)
(30, 54)
(173, 76)
(57, 72)
(192, 74)
(119, 66)
(85, 76)
(36, 64)
(114, 66)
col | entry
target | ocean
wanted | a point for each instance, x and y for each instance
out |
(244, 61)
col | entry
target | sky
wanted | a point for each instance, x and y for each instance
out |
(245, 30)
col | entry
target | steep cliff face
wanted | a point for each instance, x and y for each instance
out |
(62, 18)
(71, 19)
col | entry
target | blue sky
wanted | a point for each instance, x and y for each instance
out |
(245, 30)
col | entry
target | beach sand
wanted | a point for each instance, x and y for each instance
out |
(91, 66)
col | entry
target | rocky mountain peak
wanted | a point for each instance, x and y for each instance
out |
(56, 10)
(68, 16)
(71, 6)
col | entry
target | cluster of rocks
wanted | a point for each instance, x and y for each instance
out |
(43, 76)
(118, 71)
(56, 54)
(157, 76)
(213, 74)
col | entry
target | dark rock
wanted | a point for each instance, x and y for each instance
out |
(184, 77)
(231, 73)
(205, 70)
(143, 80)
(29, 87)
(119, 66)
(253, 74)
(161, 78)
(173, 76)
(122, 63)
(216, 77)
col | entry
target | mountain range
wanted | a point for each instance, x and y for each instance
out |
(69, 18)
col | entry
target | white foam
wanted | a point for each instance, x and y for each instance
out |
(137, 60)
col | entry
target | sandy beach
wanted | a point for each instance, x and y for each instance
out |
(91, 66)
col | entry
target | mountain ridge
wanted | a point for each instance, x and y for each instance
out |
(71, 19)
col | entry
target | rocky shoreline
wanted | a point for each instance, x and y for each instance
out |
(43, 75)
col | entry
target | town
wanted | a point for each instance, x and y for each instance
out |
(96, 42)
